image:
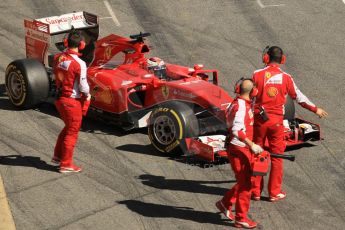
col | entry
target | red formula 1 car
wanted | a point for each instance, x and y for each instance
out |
(179, 105)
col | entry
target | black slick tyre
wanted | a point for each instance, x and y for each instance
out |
(169, 124)
(27, 83)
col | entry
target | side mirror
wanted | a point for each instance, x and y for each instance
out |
(148, 76)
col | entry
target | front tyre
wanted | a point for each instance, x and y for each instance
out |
(171, 123)
(27, 83)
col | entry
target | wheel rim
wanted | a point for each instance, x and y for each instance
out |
(164, 130)
(15, 85)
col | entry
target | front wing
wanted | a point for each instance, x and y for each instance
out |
(211, 148)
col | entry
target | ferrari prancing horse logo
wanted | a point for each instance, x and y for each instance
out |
(107, 53)
(268, 75)
(165, 91)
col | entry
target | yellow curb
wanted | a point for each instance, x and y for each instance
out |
(6, 219)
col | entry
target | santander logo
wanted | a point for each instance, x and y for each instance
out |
(64, 19)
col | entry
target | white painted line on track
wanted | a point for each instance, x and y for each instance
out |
(111, 12)
(260, 3)
(6, 218)
(344, 1)
(277, 5)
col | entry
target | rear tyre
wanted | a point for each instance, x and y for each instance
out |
(27, 83)
(170, 124)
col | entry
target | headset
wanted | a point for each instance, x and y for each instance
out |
(82, 43)
(266, 56)
(253, 93)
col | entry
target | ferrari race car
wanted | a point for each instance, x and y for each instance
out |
(181, 106)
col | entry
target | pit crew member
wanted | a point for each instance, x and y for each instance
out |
(273, 86)
(240, 149)
(73, 98)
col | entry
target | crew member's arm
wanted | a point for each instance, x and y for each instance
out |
(84, 88)
(238, 127)
(83, 85)
(59, 75)
(302, 100)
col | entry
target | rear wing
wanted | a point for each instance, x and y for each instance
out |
(63, 23)
(38, 32)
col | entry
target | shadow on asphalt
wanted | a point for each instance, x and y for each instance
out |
(296, 147)
(178, 156)
(89, 125)
(27, 161)
(5, 104)
(3, 90)
(192, 186)
(141, 149)
(265, 198)
(166, 211)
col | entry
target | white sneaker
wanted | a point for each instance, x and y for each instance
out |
(227, 213)
(278, 197)
(71, 168)
(247, 223)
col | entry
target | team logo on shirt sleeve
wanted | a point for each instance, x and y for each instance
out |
(64, 65)
(275, 79)
(61, 58)
(268, 75)
(272, 91)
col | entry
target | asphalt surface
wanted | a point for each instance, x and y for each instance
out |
(126, 184)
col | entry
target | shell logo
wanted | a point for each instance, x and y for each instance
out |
(272, 91)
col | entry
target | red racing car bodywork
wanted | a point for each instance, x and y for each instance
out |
(180, 105)
(129, 85)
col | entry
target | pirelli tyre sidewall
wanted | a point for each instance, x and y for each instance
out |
(175, 120)
(27, 83)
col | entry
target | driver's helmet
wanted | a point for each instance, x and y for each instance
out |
(157, 66)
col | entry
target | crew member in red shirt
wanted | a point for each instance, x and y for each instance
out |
(273, 86)
(73, 93)
(240, 120)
